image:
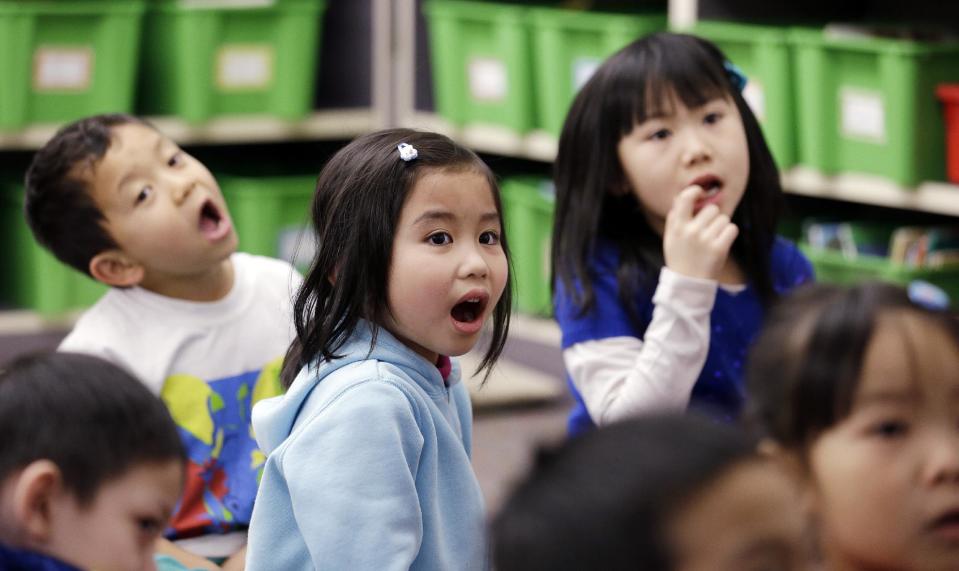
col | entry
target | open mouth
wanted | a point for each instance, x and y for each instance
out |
(709, 183)
(210, 219)
(947, 526)
(949, 519)
(470, 308)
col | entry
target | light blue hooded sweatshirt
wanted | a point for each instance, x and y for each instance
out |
(368, 468)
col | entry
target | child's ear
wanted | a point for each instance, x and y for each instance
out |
(115, 268)
(789, 460)
(795, 467)
(33, 496)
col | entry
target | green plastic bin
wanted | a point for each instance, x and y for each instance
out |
(206, 58)
(869, 105)
(764, 54)
(568, 46)
(832, 267)
(272, 215)
(63, 59)
(30, 276)
(528, 205)
(481, 60)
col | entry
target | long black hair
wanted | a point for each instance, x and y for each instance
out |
(630, 86)
(805, 366)
(359, 196)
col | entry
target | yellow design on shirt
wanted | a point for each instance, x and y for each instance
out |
(188, 397)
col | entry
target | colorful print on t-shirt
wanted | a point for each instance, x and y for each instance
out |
(224, 464)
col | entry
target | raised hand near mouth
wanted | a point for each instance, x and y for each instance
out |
(697, 243)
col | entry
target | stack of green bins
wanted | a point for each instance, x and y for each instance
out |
(64, 59)
(832, 267)
(272, 215)
(30, 277)
(869, 104)
(764, 54)
(568, 46)
(206, 59)
(528, 205)
(482, 69)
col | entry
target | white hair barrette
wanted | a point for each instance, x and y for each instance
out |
(407, 152)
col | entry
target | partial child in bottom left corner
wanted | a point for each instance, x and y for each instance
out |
(91, 466)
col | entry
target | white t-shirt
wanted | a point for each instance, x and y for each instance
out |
(210, 362)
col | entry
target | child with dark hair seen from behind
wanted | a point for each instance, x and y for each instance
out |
(663, 493)
(665, 252)
(204, 327)
(857, 390)
(91, 466)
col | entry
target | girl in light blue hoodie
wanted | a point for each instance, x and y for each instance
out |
(369, 449)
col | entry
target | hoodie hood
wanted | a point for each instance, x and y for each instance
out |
(274, 418)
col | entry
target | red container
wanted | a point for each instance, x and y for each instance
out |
(949, 95)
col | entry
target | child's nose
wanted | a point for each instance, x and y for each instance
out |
(695, 148)
(182, 189)
(474, 264)
(942, 465)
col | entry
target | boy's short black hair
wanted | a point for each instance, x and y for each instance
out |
(58, 205)
(805, 366)
(88, 416)
(602, 499)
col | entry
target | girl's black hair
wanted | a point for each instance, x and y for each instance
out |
(805, 367)
(359, 196)
(602, 500)
(632, 85)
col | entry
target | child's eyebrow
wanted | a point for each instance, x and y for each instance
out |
(886, 397)
(430, 215)
(659, 114)
(157, 147)
(491, 216)
(762, 546)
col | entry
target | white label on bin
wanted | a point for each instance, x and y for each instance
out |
(295, 245)
(583, 69)
(755, 97)
(224, 4)
(487, 78)
(863, 115)
(62, 68)
(244, 67)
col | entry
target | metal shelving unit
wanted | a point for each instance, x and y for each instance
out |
(327, 124)
(392, 35)
(930, 197)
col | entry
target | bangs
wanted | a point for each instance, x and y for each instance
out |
(672, 66)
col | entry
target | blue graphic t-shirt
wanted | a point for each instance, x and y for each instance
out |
(224, 464)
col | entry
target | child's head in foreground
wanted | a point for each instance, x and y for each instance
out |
(670, 493)
(114, 198)
(858, 388)
(91, 464)
(409, 233)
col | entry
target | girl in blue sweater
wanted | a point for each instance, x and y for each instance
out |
(369, 450)
(664, 246)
